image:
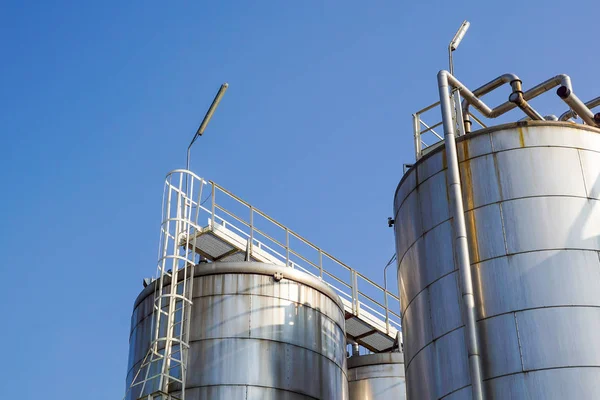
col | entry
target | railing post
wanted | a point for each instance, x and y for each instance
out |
(287, 247)
(387, 312)
(212, 210)
(321, 263)
(385, 294)
(251, 230)
(355, 301)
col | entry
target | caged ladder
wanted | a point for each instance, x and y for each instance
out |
(162, 373)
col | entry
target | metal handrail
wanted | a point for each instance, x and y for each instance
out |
(418, 132)
(367, 301)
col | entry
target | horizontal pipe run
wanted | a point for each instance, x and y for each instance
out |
(480, 91)
(503, 108)
(576, 105)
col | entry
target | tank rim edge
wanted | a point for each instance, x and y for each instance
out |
(375, 359)
(491, 129)
(257, 268)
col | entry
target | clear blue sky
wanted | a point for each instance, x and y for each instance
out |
(99, 101)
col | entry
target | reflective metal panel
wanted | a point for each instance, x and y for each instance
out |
(421, 375)
(531, 193)
(451, 361)
(540, 171)
(412, 276)
(545, 343)
(476, 146)
(553, 384)
(548, 223)
(537, 279)
(408, 217)
(500, 344)
(485, 233)
(579, 137)
(255, 337)
(435, 163)
(434, 201)
(439, 259)
(416, 323)
(480, 188)
(444, 297)
(376, 377)
(590, 163)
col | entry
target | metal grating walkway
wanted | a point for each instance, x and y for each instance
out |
(229, 229)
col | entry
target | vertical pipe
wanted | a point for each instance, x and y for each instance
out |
(460, 233)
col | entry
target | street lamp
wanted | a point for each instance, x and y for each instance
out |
(205, 121)
(458, 37)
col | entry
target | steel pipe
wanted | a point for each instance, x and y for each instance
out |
(567, 95)
(488, 87)
(503, 108)
(517, 98)
(572, 114)
(445, 81)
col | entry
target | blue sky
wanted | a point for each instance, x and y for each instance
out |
(98, 102)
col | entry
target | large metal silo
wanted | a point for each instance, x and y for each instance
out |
(257, 331)
(531, 196)
(376, 377)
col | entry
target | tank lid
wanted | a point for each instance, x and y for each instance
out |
(375, 359)
(258, 268)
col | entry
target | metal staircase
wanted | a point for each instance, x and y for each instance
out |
(203, 220)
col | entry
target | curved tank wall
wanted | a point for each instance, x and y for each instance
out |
(376, 376)
(253, 337)
(532, 207)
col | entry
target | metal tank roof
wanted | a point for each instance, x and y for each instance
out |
(253, 267)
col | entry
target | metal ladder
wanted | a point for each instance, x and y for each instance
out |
(164, 368)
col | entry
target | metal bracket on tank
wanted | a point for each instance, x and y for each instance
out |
(277, 276)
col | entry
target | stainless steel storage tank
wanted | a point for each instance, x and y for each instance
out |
(376, 376)
(531, 193)
(258, 331)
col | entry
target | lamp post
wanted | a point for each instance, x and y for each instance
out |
(458, 37)
(205, 121)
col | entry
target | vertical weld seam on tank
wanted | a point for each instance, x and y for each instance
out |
(462, 246)
(587, 194)
(519, 342)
